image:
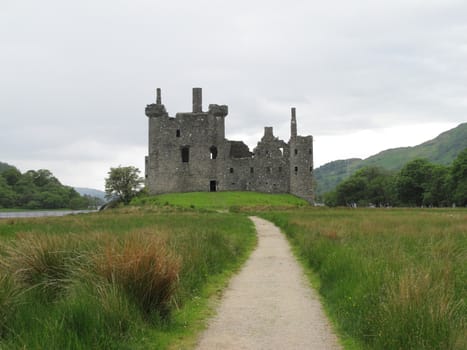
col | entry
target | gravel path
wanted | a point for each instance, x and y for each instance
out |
(269, 304)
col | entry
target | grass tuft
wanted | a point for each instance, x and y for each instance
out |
(144, 268)
(42, 261)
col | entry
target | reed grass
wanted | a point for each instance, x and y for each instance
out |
(144, 268)
(111, 280)
(391, 279)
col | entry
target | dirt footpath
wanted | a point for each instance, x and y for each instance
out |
(269, 304)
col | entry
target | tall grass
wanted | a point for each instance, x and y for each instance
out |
(144, 268)
(8, 301)
(392, 279)
(111, 280)
(41, 261)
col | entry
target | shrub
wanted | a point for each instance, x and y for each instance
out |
(42, 261)
(144, 268)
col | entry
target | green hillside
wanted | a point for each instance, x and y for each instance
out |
(441, 150)
(329, 175)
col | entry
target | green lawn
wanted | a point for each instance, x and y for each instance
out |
(223, 200)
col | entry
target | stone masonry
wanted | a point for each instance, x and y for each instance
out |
(190, 153)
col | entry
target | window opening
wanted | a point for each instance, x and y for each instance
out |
(296, 169)
(252, 170)
(231, 170)
(185, 155)
(280, 169)
(178, 133)
(296, 151)
(213, 151)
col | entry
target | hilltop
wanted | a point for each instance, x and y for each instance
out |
(5, 166)
(441, 150)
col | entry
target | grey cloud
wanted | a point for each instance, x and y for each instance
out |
(82, 72)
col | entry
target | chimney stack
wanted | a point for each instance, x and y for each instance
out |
(197, 100)
(293, 124)
(268, 133)
(158, 96)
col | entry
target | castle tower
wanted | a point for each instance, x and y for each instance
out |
(301, 162)
(155, 112)
(186, 152)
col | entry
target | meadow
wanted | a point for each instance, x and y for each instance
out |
(144, 275)
(389, 279)
(124, 279)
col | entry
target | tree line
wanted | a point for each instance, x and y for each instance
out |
(418, 183)
(39, 190)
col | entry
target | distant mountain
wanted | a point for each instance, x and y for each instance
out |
(441, 150)
(90, 192)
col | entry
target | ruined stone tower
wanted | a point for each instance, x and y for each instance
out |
(190, 153)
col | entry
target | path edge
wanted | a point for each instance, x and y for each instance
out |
(314, 282)
(212, 296)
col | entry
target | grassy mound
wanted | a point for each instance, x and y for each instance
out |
(223, 200)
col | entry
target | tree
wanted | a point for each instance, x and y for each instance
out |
(351, 190)
(43, 177)
(7, 195)
(123, 182)
(436, 190)
(27, 191)
(11, 175)
(37, 190)
(412, 181)
(459, 178)
(370, 185)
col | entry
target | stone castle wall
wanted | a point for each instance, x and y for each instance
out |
(190, 153)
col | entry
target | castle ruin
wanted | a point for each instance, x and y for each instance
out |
(190, 153)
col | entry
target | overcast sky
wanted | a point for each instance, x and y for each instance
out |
(364, 75)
